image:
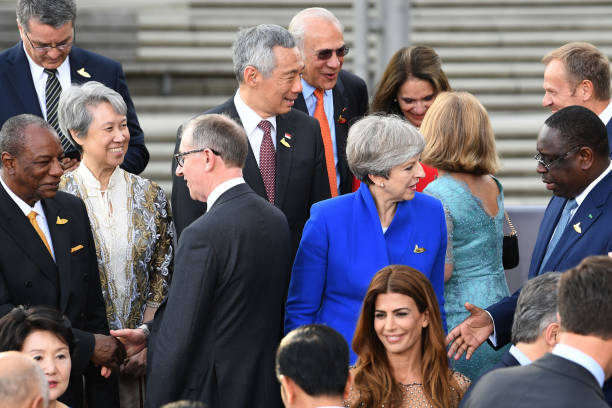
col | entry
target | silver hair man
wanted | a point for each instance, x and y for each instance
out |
(54, 13)
(22, 382)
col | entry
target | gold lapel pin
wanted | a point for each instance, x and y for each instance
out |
(577, 228)
(418, 250)
(83, 73)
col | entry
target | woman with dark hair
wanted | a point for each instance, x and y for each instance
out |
(400, 346)
(46, 336)
(412, 80)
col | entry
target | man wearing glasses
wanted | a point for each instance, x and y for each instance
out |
(334, 96)
(34, 72)
(573, 161)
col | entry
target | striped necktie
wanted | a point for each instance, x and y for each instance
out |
(53, 90)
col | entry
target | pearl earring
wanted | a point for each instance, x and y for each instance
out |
(382, 185)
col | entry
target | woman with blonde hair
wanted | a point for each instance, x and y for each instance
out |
(460, 143)
(399, 342)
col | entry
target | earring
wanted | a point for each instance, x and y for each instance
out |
(382, 185)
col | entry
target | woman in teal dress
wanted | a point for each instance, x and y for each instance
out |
(461, 145)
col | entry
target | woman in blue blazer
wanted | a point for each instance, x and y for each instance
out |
(349, 238)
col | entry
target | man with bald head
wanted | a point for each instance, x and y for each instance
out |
(22, 382)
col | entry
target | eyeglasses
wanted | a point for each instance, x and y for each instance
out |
(180, 157)
(326, 54)
(548, 164)
(47, 48)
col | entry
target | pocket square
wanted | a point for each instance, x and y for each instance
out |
(76, 248)
(61, 221)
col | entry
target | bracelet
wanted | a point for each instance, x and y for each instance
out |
(145, 329)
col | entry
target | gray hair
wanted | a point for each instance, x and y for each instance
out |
(255, 47)
(55, 13)
(73, 112)
(22, 381)
(536, 307)
(221, 134)
(12, 134)
(377, 143)
(299, 22)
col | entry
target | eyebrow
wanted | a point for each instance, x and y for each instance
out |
(394, 310)
(44, 44)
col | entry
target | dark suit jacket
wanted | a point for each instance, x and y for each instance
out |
(19, 94)
(215, 338)
(350, 103)
(609, 129)
(506, 360)
(594, 238)
(71, 284)
(301, 174)
(551, 381)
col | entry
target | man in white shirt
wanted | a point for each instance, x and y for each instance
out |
(573, 374)
(323, 380)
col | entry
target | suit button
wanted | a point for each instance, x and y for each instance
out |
(28, 284)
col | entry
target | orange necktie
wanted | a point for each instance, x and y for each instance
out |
(32, 218)
(319, 114)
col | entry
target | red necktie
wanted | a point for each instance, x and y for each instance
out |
(319, 114)
(267, 159)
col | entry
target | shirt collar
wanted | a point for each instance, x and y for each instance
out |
(248, 117)
(580, 197)
(519, 355)
(308, 90)
(220, 189)
(23, 206)
(91, 183)
(582, 359)
(38, 71)
(606, 115)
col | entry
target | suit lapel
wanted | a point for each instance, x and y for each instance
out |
(547, 226)
(60, 234)
(300, 104)
(77, 61)
(284, 156)
(341, 125)
(22, 80)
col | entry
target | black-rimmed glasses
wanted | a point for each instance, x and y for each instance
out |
(326, 54)
(180, 157)
(47, 48)
(548, 164)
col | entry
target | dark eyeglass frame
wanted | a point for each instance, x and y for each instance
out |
(46, 48)
(180, 157)
(548, 164)
(324, 55)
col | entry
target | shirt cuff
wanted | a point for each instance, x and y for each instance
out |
(492, 337)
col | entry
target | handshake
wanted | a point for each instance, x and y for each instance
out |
(124, 350)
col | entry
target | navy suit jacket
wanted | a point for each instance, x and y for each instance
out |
(350, 103)
(19, 95)
(609, 129)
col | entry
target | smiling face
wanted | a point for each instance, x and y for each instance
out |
(107, 138)
(53, 357)
(398, 323)
(41, 35)
(402, 180)
(558, 92)
(322, 35)
(414, 97)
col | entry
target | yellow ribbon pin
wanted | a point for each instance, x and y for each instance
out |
(61, 221)
(418, 250)
(83, 73)
(577, 228)
(285, 143)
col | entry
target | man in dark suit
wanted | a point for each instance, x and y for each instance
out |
(573, 160)
(573, 374)
(48, 255)
(214, 340)
(47, 36)
(318, 34)
(577, 73)
(286, 161)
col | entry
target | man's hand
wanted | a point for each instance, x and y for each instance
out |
(470, 333)
(69, 164)
(136, 365)
(134, 340)
(108, 352)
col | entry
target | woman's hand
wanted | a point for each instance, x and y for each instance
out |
(135, 365)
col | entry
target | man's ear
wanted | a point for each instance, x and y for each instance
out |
(8, 162)
(289, 388)
(585, 90)
(251, 76)
(551, 335)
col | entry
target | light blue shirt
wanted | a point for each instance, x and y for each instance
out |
(582, 359)
(328, 105)
(519, 355)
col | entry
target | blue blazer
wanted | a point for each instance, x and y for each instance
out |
(595, 218)
(19, 95)
(342, 248)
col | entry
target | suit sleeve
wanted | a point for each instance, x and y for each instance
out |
(320, 181)
(502, 313)
(308, 275)
(137, 156)
(186, 311)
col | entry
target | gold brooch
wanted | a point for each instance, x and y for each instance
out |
(418, 250)
(577, 228)
(83, 73)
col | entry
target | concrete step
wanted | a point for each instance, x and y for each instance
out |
(511, 38)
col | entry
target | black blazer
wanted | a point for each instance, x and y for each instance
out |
(215, 338)
(301, 174)
(19, 94)
(71, 284)
(350, 104)
(551, 381)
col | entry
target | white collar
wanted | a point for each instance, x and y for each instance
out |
(220, 189)
(606, 115)
(582, 359)
(519, 355)
(580, 197)
(23, 206)
(248, 117)
(38, 71)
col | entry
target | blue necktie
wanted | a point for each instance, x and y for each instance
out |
(566, 215)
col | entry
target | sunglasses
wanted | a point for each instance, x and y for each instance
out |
(327, 54)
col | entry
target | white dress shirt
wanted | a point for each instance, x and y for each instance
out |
(519, 355)
(606, 115)
(581, 358)
(220, 189)
(250, 120)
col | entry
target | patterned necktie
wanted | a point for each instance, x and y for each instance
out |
(267, 159)
(566, 215)
(32, 218)
(53, 90)
(319, 114)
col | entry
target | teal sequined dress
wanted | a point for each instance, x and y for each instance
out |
(475, 250)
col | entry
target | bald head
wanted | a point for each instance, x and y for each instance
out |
(22, 382)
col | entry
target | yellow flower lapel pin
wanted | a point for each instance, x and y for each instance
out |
(577, 228)
(83, 73)
(61, 221)
(418, 250)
